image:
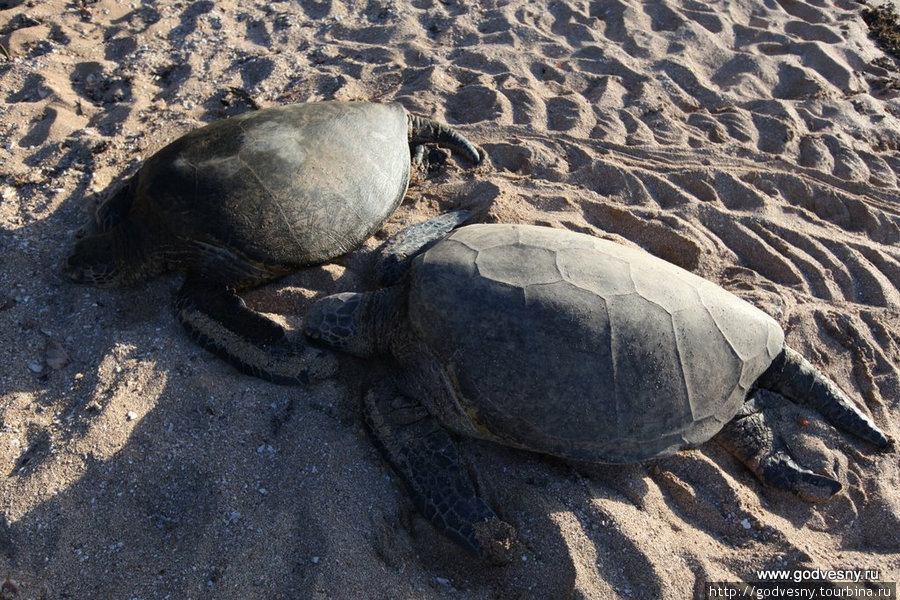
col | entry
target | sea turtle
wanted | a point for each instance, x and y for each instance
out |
(566, 344)
(251, 198)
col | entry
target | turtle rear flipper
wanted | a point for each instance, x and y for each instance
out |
(426, 458)
(423, 130)
(750, 439)
(219, 320)
(796, 379)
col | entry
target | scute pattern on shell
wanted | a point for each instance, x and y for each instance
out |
(580, 347)
(284, 187)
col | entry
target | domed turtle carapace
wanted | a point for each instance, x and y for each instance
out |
(562, 343)
(248, 199)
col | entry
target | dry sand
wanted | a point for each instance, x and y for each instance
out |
(752, 142)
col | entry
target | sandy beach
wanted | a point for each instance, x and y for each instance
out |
(752, 143)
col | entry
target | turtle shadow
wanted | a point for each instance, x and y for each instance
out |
(566, 506)
(400, 536)
(703, 487)
(71, 338)
(38, 304)
(176, 509)
(125, 458)
(172, 471)
(542, 497)
(576, 522)
(567, 543)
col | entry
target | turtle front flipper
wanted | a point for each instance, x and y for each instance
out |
(219, 320)
(750, 439)
(426, 458)
(795, 378)
(396, 253)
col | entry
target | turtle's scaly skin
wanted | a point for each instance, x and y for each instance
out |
(565, 344)
(251, 198)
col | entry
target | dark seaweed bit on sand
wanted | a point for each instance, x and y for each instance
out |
(884, 27)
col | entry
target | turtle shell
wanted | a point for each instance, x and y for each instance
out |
(278, 188)
(566, 344)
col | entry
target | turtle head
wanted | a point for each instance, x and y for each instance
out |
(108, 259)
(94, 262)
(339, 321)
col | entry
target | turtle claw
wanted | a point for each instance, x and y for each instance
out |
(418, 157)
(779, 471)
(427, 160)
